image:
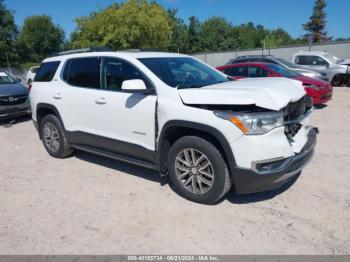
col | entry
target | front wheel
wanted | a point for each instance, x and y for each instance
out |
(197, 170)
(54, 138)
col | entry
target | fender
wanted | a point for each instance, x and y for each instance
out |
(160, 157)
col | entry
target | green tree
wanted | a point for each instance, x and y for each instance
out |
(317, 23)
(217, 34)
(193, 40)
(40, 37)
(247, 36)
(277, 38)
(132, 24)
(178, 34)
(8, 33)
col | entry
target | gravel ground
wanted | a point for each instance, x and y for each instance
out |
(91, 205)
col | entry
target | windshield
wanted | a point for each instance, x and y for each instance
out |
(6, 79)
(283, 71)
(286, 63)
(183, 72)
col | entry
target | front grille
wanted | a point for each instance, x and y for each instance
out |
(13, 100)
(295, 111)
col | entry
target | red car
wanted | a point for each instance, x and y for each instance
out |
(320, 91)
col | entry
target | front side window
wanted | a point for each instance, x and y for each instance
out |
(116, 71)
(6, 79)
(83, 72)
(310, 60)
(237, 71)
(183, 72)
(254, 71)
(46, 72)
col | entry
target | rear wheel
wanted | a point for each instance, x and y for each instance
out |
(197, 170)
(54, 139)
(336, 81)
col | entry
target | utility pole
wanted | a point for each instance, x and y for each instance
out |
(8, 63)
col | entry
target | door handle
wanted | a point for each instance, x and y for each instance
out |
(57, 96)
(101, 101)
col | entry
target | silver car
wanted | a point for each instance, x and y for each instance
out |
(14, 97)
(310, 72)
(338, 70)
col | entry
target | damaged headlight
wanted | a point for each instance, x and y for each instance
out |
(253, 123)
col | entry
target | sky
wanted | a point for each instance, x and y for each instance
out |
(288, 14)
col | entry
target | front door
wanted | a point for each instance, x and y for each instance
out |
(125, 122)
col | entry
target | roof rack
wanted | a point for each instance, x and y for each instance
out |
(242, 56)
(141, 50)
(83, 50)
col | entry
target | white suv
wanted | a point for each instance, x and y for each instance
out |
(175, 114)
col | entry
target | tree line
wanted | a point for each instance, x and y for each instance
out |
(143, 24)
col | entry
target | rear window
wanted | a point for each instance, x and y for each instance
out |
(46, 71)
(83, 72)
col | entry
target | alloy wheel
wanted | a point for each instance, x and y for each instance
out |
(194, 171)
(51, 137)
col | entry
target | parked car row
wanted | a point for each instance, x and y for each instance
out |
(320, 91)
(315, 64)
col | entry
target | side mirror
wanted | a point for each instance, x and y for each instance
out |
(18, 80)
(135, 86)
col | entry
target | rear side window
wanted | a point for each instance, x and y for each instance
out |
(83, 72)
(46, 71)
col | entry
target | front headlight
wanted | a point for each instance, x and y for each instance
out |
(253, 123)
(314, 87)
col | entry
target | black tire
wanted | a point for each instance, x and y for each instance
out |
(336, 81)
(221, 182)
(64, 149)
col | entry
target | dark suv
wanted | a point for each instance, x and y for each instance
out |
(305, 71)
(13, 97)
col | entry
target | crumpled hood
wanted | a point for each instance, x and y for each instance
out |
(345, 62)
(12, 90)
(270, 93)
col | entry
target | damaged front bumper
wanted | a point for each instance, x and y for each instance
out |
(270, 174)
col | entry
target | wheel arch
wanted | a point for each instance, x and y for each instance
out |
(175, 129)
(43, 109)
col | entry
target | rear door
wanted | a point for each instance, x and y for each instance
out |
(81, 84)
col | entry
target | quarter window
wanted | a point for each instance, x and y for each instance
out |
(83, 72)
(46, 71)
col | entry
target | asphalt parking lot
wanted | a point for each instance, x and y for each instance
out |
(91, 205)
